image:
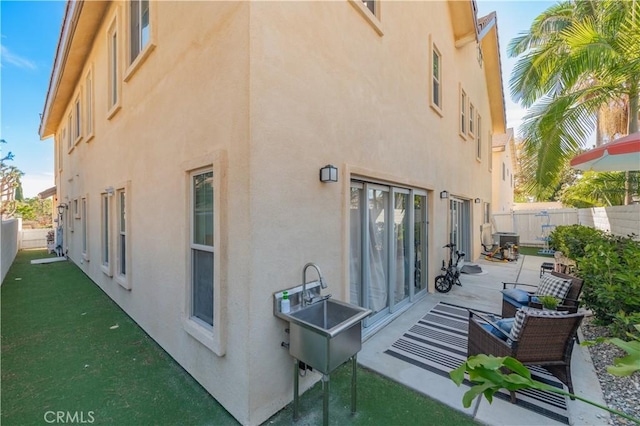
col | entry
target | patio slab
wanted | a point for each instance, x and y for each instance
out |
(481, 292)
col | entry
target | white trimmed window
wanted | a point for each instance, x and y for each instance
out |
(105, 230)
(436, 78)
(77, 129)
(371, 5)
(463, 113)
(88, 100)
(84, 226)
(113, 83)
(70, 132)
(472, 117)
(138, 27)
(122, 264)
(479, 140)
(202, 247)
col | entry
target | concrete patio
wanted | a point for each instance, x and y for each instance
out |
(481, 292)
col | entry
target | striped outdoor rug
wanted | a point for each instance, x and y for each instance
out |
(438, 343)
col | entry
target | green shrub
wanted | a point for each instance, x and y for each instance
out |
(609, 266)
(611, 289)
(572, 239)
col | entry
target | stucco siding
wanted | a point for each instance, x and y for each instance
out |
(267, 93)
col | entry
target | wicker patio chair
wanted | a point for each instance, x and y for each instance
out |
(569, 303)
(544, 340)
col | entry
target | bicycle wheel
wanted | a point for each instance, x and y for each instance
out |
(443, 285)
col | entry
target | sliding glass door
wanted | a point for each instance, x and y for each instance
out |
(387, 247)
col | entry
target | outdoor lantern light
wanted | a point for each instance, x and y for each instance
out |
(477, 201)
(329, 173)
(109, 191)
(444, 194)
(61, 208)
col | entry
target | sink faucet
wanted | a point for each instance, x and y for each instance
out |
(305, 298)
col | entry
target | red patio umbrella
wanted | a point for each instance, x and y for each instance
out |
(620, 155)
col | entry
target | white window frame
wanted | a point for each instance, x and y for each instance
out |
(479, 147)
(105, 234)
(84, 226)
(122, 271)
(371, 17)
(77, 122)
(462, 111)
(88, 100)
(135, 61)
(435, 80)
(214, 338)
(471, 126)
(200, 247)
(69, 128)
(113, 71)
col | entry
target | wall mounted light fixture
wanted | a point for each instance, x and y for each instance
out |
(329, 173)
(61, 208)
(109, 191)
(477, 200)
(444, 194)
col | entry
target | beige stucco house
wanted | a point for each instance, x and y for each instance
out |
(189, 138)
(506, 165)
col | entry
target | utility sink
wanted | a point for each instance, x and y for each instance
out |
(325, 334)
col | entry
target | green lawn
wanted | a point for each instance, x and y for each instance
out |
(67, 347)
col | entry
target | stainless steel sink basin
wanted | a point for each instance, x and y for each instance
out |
(326, 334)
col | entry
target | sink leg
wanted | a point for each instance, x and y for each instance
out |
(325, 401)
(295, 389)
(354, 378)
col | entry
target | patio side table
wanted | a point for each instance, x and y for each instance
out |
(546, 267)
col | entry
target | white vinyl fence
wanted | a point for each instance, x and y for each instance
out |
(533, 225)
(9, 237)
(33, 238)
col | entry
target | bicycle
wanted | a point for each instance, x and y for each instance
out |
(445, 282)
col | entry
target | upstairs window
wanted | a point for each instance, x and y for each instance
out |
(88, 100)
(113, 68)
(70, 132)
(138, 27)
(436, 89)
(77, 130)
(472, 114)
(371, 5)
(463, 113)
(479, 140)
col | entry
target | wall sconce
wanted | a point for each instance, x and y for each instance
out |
(477, 200)
(61, 208)
(109, 191)
(444, 194)
(329, 173)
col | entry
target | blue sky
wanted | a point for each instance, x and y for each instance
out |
(30, 31)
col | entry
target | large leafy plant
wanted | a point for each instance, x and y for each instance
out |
(488, 374)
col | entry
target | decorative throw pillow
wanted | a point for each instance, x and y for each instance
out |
(518, 321)
(550, 285)
(521, 313)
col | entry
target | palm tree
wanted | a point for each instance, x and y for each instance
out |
(578, 57)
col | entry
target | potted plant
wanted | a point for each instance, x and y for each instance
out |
(549, 303)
